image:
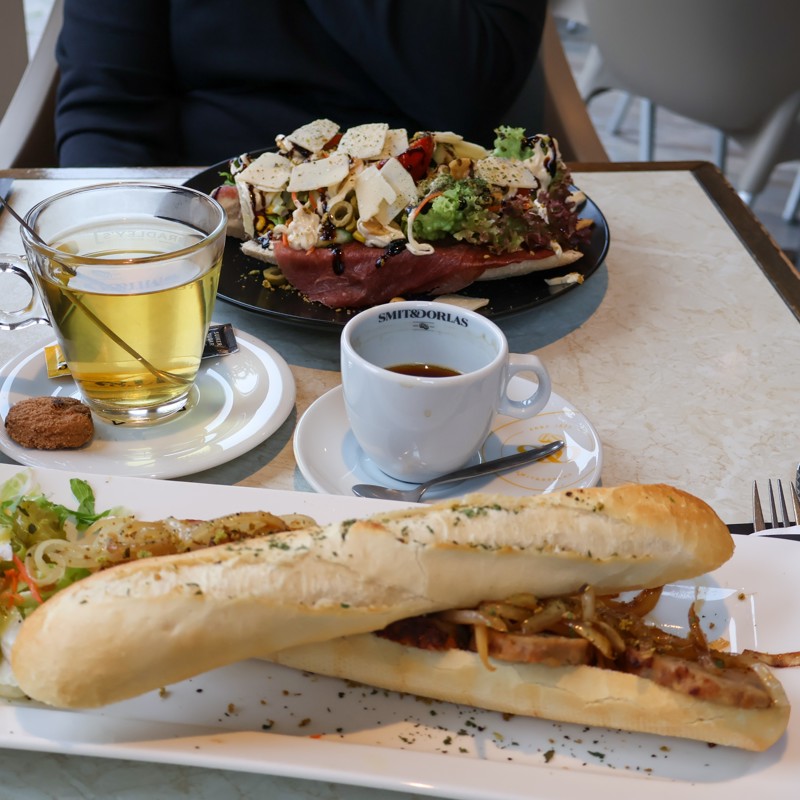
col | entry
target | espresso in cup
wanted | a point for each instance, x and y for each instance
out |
(422, 382)
(424, 370)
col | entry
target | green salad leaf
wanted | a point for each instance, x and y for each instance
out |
(512, 143)
(27, 518)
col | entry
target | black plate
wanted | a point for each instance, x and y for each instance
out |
(240, 280)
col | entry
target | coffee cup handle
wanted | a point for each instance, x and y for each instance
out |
(532, 405)
(21, 317)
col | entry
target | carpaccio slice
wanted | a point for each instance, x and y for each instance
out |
(353, 276)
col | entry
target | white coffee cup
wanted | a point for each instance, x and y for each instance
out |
(417, 427)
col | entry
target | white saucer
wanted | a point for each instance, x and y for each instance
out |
(332, 462)
(237, 402)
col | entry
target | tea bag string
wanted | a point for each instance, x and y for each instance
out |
(170, 377)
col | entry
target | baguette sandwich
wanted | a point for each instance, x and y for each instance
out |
(359, 599)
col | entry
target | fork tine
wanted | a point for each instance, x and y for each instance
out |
(758, 513)
(772, 509)
(795, 503)
(785, 519)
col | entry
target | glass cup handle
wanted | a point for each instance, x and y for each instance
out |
(534, 403)
(21, 317)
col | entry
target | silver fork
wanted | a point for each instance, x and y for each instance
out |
(784, 521)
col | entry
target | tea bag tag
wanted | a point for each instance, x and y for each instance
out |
(220, 341)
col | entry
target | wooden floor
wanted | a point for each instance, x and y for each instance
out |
(679, 139)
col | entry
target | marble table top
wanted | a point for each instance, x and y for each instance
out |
(679, 349)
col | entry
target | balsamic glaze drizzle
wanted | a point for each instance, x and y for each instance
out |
(395, 247)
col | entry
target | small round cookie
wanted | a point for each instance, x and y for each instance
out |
(50, 423)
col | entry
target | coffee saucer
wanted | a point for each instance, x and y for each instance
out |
(238, 400)
(332, 462)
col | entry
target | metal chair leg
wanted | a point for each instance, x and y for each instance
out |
(793, 201)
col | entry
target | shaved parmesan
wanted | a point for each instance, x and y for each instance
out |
(312, 137)
(462, 301)
(372, 189)
(258, 184)
(364, 141)
(398, 177)
(324, 172)
(506, 172)
(396, 143)
(269, 171)
(459, 146)
(246, 206)
(383, 193)
(569, 278)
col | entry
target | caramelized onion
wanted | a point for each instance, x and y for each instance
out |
(505, 611)
(553, 612)
(612, 634)
(482, 646)
(643, 603)
(588, 605)
(696, 634)
(594, 637)
(525, 600)
(774, 659)
(471, 616)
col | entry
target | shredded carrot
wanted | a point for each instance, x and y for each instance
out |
(27, 578)
(9, 594)
(425, 200)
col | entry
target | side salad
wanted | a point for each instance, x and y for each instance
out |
(30, 524)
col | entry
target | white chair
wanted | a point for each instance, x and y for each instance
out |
(731, 66)
(13, 50)
(27, 132)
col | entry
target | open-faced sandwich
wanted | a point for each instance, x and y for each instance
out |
(359, 217)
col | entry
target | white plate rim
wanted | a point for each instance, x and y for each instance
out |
(765, 568)
(322, 433)
(105, 453)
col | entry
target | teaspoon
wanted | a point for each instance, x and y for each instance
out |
(484, 468)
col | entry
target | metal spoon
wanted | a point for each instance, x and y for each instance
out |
(484, 468)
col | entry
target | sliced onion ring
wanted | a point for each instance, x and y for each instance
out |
(774, 659)
(643, 603)
(553, 612)
(471, 616)
(587, 631)
(482, 646)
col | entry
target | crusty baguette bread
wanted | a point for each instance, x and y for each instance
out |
(583, 694)
(145, 624)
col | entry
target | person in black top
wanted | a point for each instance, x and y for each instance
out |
(193, 82)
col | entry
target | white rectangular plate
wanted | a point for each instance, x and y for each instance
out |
(257, 717)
